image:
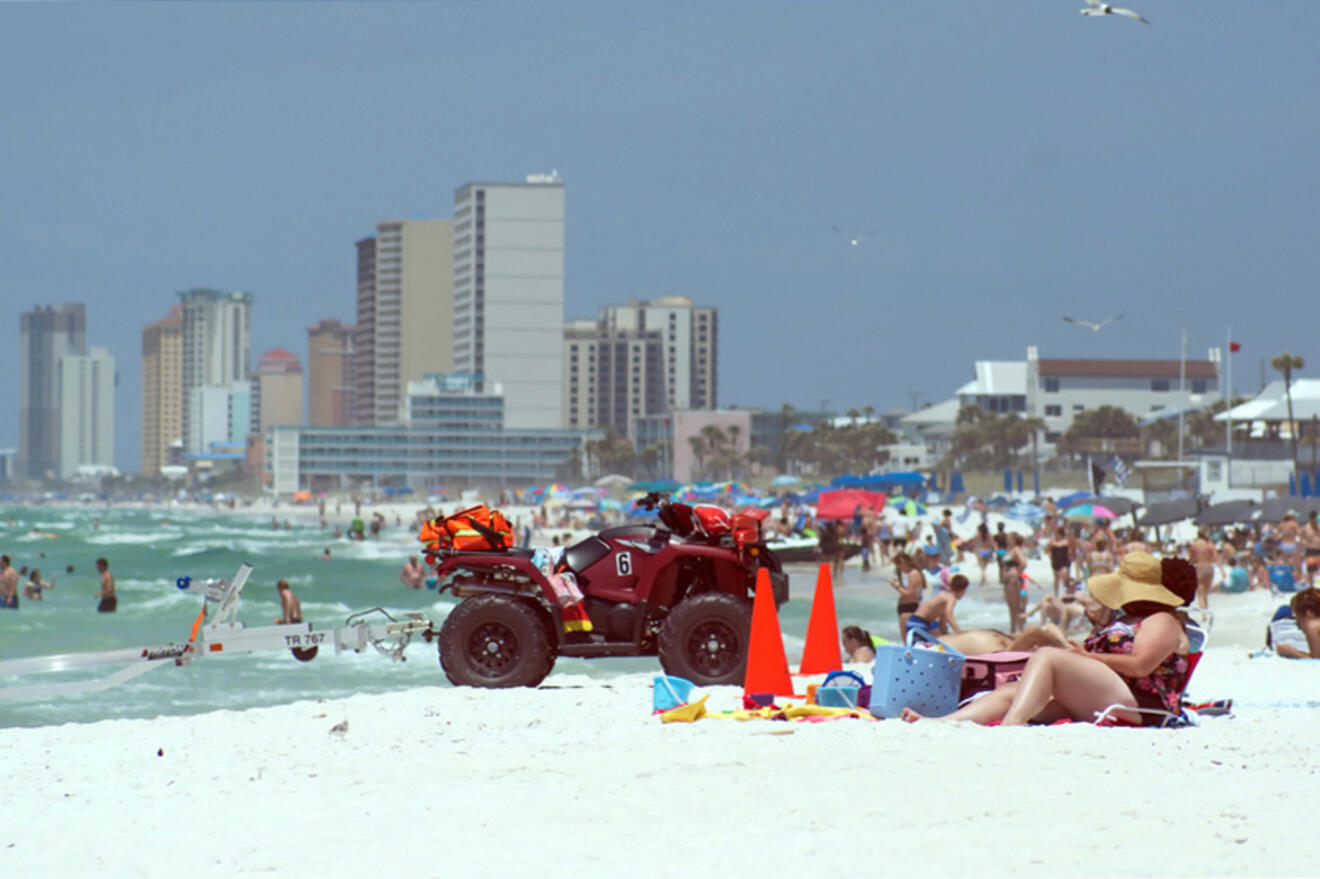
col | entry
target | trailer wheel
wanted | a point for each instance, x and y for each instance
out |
(495, 641)
(704, 639)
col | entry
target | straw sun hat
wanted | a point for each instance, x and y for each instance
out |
(1142, 577)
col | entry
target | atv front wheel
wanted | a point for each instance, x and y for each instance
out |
(704, 639)
(494, 641)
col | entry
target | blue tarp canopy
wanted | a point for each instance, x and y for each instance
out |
(660, 485)
(868, 480)
(1069, 500)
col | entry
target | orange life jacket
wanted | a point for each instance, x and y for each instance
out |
(476, 528)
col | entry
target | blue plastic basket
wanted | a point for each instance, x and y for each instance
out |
(924, 679)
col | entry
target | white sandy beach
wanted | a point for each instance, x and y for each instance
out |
(577, 778)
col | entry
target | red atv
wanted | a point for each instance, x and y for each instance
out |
(681, 589)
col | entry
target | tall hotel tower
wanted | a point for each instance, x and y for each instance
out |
(217, 352)
(47, 333)
(509, 294)
(405, 310)
(162, 390)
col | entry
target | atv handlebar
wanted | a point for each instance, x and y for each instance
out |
(653, 499)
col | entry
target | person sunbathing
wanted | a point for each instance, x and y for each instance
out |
(857, 644)
(1139, 661)
(1297, 636)
(1062, 611)
(975, 641)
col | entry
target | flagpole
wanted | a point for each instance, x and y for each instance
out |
(1182, 392)
(1228, 400)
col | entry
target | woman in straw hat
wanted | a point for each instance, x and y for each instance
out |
(1139, 661)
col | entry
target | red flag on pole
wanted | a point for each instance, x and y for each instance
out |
(1234, 347)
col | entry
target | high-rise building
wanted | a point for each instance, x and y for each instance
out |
(362, 399)
(691, 345)
(277, 391)
(611, 376)
(405, 314)
(47, 333)
(162, 390)
(217, 331)
(219, 415)
(509, 294)
(87, 412)
(329, 372)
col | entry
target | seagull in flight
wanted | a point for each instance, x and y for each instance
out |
(854, 238)
(1095, 7)
(1091, 325)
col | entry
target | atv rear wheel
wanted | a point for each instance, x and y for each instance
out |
(704, 639)
(494, 641)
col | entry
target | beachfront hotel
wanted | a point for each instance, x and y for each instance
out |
(329, 372)
(453, 434)
(611, 376)
(216, 352)
(277, 391)
(509, 294)
(638, 360)
(46, 334)
(691, 345)
(405, 308)
(162, 391)
(1057, 390)
(87, 413)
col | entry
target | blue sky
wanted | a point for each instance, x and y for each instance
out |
(1017, 161)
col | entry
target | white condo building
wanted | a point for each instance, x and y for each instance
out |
(217, 352)
(509, 294)
(1057, 390)
(86, 411)
(691, 345)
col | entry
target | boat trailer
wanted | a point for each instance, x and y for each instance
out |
(221, 635)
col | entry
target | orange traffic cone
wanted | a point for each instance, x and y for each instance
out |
(767, 664)
(821, 653)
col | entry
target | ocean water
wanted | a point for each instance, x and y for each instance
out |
(149, 549)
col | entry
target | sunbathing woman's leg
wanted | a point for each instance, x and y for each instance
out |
(1077, 684)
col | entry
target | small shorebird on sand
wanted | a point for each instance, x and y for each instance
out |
(1092, 325)
(1095, 7)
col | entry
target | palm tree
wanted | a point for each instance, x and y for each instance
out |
(1286, 363)
(785, 413)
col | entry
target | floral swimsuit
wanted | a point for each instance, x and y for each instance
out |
(1161, 689)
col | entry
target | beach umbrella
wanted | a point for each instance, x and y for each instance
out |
(1274, 509)
(1090, 511)
(1077, 497)
(1168, 512)
(1025, 512)
(613, 480)
(1120, 505)
(906, 506)
(784, 479)
(1226, 513)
